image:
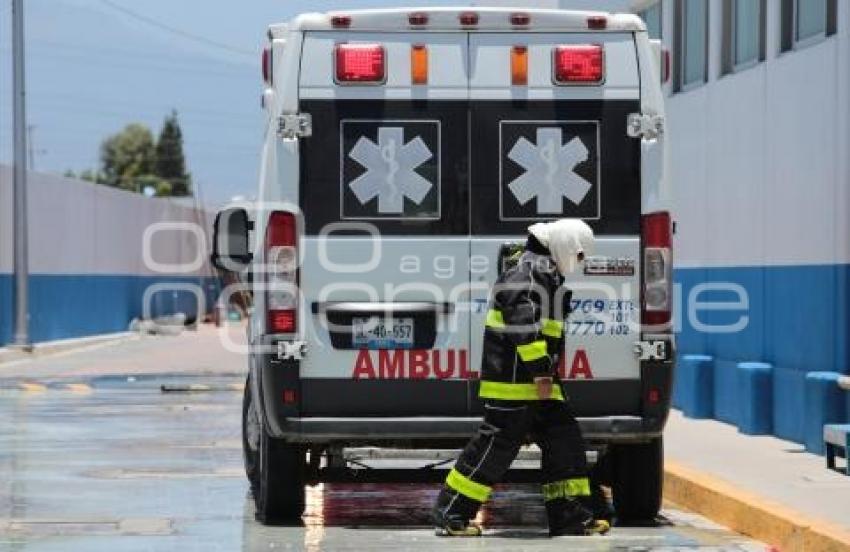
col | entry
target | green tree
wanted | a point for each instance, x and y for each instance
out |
(170, 159)
(126, 156)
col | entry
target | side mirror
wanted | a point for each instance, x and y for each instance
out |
(231, 251)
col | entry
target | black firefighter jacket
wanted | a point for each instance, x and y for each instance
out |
(524, 329)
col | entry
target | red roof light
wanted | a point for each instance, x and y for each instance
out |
(267, 65)
(579, 64)
(418, 19)
(597, 22)
(360, 63)
(468, 19)
(341, 21)
(520, 19)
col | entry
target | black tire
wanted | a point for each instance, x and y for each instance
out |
(276, 472)
(638, 481)
(250, 450)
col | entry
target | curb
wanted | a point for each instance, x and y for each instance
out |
(750, 514)
(12, 354)
(201, 388)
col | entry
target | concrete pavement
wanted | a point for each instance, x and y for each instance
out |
(762, 486)
(198, 352)
(125, 467)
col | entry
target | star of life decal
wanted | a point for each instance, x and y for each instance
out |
(549, 171)
(390, 170)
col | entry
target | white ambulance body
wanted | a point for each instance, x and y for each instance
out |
(404, 148)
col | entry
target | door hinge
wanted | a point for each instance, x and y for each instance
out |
(649, 127)
(652, 350)
(291, 350)
(295, 125)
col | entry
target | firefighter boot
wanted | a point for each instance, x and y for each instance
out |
(451, 516)
(455, 526)
(597, 503)
(569, 517)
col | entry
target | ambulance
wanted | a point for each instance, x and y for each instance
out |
(406, 153)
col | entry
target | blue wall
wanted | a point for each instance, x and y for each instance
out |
(66, 306)
(798, 322)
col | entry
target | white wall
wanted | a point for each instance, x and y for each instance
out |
(76, 227)
(759, 157)
(6, 222)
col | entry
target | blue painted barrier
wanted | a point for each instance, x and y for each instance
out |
(789, 403)
(825, 404)
(726, 391)
(755, 398)
(694, 387)
(73, 305)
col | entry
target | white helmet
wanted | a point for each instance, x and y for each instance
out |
(566, 240)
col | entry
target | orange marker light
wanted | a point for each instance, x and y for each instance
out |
(419, 64)
(519, 65)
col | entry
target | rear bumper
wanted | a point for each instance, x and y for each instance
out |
(354, 419)
(605, 430)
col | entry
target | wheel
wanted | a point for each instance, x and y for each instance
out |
(637, 481)
(274, 468)
(251, 427)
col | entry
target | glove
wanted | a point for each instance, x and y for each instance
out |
(544, 386)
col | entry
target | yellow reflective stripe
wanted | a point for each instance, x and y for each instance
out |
(494, 319)
(532, 351)
(515, 391)
(552, 328)
(566, 488)
(467, 487)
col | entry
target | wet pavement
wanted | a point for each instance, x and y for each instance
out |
(116, 464)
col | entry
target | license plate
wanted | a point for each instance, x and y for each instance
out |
(382, 333)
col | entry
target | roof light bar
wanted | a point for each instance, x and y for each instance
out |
(417, 19)
(468, 19)
(520, 19)
(341, 21)
(597, 22)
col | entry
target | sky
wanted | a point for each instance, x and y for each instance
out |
(94, 66)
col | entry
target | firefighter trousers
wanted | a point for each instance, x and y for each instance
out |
(506, 427)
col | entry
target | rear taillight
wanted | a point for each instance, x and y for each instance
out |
(579, 64)
(657, 269)
(665, 66)
(281, 273)
(360, 63)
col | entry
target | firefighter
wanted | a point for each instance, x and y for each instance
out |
(523, 398)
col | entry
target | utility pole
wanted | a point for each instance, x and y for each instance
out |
(21, 332)
(31, 147)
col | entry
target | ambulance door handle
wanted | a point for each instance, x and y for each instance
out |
(387, 308)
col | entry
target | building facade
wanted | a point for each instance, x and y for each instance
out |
(759, 119)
